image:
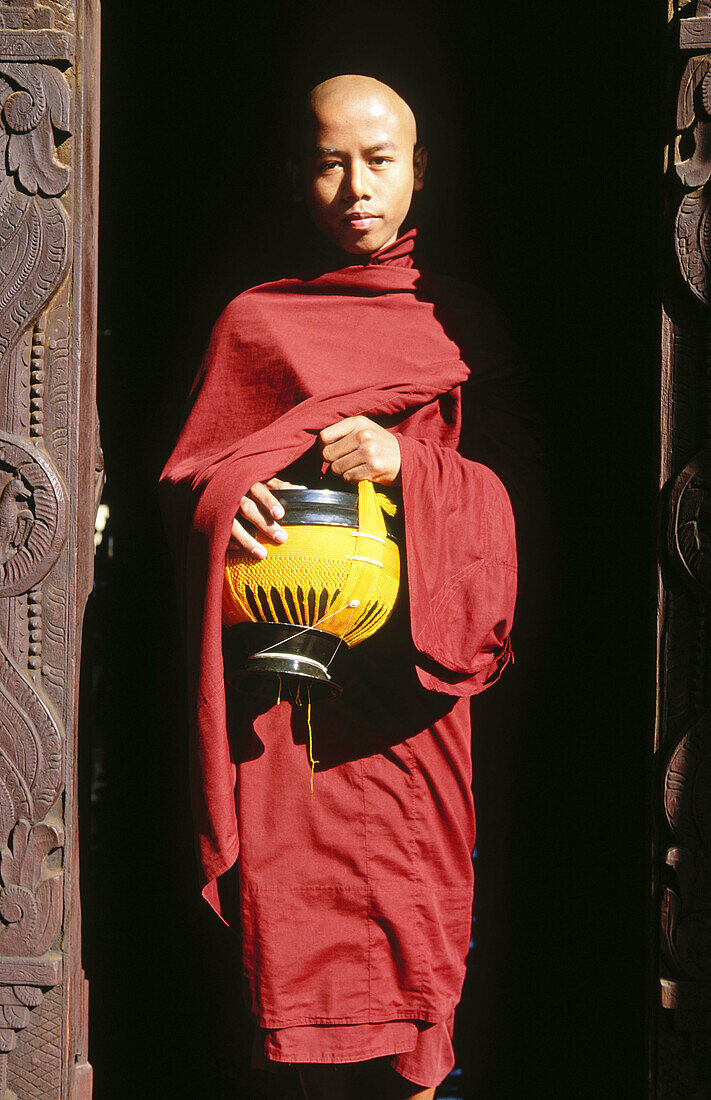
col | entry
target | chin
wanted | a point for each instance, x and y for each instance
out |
(362, 247)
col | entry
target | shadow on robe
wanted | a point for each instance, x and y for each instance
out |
(382, 705)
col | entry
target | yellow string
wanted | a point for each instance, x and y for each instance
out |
(279, 692)
(312, 759)
(386, 504)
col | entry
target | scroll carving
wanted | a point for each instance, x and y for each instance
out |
(690, 529)
(692, 156)
(30, 752)
(34, 253)
(686, 908)
(32, 515)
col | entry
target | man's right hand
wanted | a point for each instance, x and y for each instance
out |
(262, 509)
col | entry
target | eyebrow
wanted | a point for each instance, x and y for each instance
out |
(381, 147)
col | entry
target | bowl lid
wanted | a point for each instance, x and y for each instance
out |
(324, 508)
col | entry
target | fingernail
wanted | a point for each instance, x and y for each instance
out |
(259, 552)
(280, 536)
(278, 511)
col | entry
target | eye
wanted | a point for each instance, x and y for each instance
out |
(329, 165)
(380, 162)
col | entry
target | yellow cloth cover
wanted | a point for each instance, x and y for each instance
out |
(343, 580)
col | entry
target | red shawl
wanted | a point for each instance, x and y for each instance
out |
(285, 360)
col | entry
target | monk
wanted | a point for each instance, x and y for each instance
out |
(354, 900)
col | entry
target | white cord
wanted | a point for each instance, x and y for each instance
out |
(302, 630)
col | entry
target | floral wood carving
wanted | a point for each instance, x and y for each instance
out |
(31, 15)
(692, 155)
(30, 752)
(690, 526)
(32, 515)
(686, 908)
(34, 120)
(31, 887)
(31, 895)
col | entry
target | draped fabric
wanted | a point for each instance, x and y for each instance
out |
(356, 900)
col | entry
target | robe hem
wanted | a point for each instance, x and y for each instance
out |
(362, 1055)
(397, 1051)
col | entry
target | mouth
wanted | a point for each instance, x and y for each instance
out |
(361, 219)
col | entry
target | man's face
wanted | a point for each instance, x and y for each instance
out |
(362, 166)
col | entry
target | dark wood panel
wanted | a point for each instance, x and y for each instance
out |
(48, 485)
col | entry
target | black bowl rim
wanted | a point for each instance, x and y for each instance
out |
(337, 508)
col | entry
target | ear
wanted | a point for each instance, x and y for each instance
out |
(419, 164)
(294, 176)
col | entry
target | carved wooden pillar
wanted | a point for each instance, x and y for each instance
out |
(48, 484)
(681, 1051)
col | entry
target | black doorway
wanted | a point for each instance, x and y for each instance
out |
(543, 130)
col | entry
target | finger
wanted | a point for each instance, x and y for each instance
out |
(243, 538)
(371, 461)
(358, 473)
(342, 427)
(341, 447)
(252, 512)
(277, 483)
(268, 501)
(342, 465)
(364, 447)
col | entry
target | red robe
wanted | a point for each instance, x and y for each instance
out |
(356, 901)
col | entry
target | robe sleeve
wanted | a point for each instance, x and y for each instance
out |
(474, 504)
(461, 567)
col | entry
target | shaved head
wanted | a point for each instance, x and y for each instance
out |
(361, 161)
(375, 99)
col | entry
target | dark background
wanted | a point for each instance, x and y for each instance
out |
(542, 126)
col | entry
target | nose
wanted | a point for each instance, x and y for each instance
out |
(355, 183)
